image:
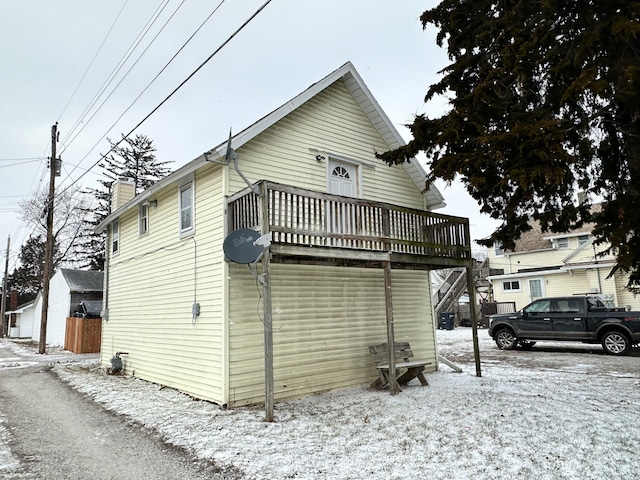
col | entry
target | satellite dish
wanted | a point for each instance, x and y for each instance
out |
(230, 153)
(240, 246)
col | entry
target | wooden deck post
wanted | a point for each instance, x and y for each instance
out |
(268, 336)
(266, 304)
(471, 289)
(388, 298)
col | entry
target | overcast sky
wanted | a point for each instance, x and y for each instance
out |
(60, 63)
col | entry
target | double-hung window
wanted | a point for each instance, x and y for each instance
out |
(115, 236)
(582, 239)
(186, 208)
(143, 220)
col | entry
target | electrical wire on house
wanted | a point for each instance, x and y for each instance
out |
(189, 77)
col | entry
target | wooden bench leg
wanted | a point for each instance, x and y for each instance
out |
(410, 374)
(376, 384)
(382, 381)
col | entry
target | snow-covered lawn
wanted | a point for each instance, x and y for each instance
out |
(551, 413)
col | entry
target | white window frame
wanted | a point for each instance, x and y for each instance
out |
(189, 185)
(498, 251)
(143, 220)
(115, 237)
(510, 289)
(542, 291)
(582, 239)
(562, 243)
(335, 161)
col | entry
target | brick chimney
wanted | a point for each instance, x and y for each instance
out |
(122, 191)
(13, 300)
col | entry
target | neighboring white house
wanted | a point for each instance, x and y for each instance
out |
(24, 315)
(545, 264)
(67, 289)
(346, 232)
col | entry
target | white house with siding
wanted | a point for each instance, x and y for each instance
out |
(23, 320)
(67, 288)
(545, 264)
(190, 319)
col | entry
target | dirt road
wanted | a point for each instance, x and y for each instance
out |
(54, 432)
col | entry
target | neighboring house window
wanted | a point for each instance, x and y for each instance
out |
(582, 239)
(498, 251)
(115, 237)
(143, 216)
(562, 243)
(511, 285)
(186, 208)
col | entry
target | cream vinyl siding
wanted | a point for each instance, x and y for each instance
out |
(153, 283)
(324, 319)
(332, 121)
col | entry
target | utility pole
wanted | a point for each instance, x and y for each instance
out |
(48, 252)
(3, 305)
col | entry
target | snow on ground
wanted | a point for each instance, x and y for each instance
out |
(552, 413)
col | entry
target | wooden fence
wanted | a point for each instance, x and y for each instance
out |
(83, 335)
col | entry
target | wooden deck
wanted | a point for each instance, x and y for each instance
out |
(315, 227)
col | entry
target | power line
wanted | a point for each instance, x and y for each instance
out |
(215, 52)
(24, 159)
(152, 80)
(21, 163)
(93, 60)
(113, 73)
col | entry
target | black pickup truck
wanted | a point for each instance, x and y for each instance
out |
(570, 319)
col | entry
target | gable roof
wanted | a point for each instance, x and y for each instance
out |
(80, 281)
(362, 95)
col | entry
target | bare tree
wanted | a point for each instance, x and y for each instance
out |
(70, 212)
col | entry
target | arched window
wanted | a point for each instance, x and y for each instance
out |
(340, 172)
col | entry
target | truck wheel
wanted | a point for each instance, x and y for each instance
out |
(615, 343)
(505, 339)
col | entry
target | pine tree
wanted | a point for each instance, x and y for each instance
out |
(27, 278)
(133, 159)
(545, 102)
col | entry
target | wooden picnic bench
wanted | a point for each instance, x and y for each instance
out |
(403, 355)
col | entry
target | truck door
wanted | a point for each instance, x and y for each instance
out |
(536, 320)
(568, 320)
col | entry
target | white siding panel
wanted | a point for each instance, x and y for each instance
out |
(333, 122)
(57, 312)
(153, 283)
(324, 319)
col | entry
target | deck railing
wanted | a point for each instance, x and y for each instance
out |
(307, 218)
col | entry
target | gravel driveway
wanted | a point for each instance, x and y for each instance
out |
(54, 432)
(558, 356)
